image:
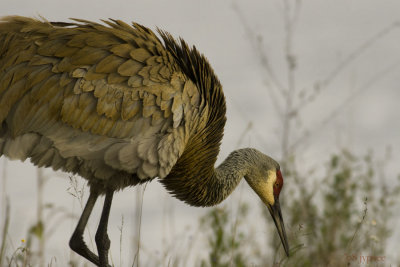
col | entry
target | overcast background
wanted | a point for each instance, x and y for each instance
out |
(327, 32)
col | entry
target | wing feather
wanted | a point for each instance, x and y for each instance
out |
(130, 68)
(122, 50)
(101, 94)
(109, 64)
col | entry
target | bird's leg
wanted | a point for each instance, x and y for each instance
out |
(102, 240)
(76, 242)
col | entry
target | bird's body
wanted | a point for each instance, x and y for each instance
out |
(115, 105)
(103, 102)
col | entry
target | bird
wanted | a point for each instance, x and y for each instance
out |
(119, 105)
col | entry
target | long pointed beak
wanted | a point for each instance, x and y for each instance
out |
(276, 214)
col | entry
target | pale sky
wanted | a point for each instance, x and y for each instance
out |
(326, 33)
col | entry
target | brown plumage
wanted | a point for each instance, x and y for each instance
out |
(116, 105)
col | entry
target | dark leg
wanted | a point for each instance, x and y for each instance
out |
(76, 242)
(102, 240)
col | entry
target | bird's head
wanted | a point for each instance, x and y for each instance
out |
(265, 178)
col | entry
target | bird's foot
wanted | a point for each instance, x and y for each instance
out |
(103, 245)
(78, 245)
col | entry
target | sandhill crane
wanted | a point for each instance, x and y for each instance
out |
(118, 106)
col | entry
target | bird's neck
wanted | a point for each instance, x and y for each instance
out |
(228, 175)
(208, 186)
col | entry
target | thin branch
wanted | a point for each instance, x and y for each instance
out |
(259, 134)
(359, 224)
(296, 13)
(291, 59)
(319, 86)
(136, 258)
(120, 239)
(274, 99)
(256, 43)
(357, 53)
(244, 133)
(5, 230)
(340, 108)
